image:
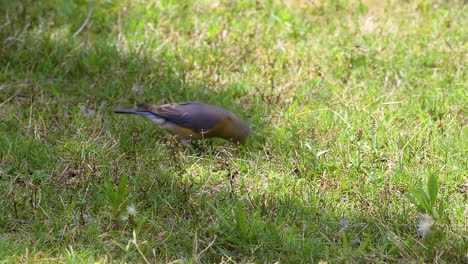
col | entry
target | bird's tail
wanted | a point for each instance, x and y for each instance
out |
(125, 111)
(130, 111)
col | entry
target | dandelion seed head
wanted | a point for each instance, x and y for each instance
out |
(86, 218)
(137, 88)
(426, 223)
(131, 210)
(344, 223)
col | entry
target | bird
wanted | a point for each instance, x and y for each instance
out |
(194, 121)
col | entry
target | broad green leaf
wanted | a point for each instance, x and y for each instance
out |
(422, 198)
(241, 220)
(432, 188)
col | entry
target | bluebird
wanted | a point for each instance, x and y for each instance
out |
(194, 120)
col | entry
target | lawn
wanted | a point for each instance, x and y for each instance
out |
(358, 112)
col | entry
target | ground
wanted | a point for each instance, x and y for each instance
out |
(358, 112)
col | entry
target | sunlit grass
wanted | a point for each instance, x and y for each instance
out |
(352, 104)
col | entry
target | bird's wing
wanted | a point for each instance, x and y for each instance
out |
(198, 116)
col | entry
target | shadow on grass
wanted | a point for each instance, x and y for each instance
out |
(59, 143)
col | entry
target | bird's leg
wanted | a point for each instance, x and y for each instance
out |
(191, 145)
(197, 148)
(185, 142)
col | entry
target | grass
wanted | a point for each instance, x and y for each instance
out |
(352, 104)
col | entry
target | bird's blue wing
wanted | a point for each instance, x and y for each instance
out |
(198, 116)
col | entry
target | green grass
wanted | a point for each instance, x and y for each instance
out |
(352, 104)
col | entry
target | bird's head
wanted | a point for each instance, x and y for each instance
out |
(232, 128)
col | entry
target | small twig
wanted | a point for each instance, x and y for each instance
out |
(24, 31)
(17, 38)
(204, 250)
(413, 136)
(156, 50)
(448, 44)
(84, 23)
(266, 115)
(73, 51)
(340, 116)
(40, 129)
(134, 241)
(21, 222)
(7, 100)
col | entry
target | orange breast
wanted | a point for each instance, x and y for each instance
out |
(184, 132)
